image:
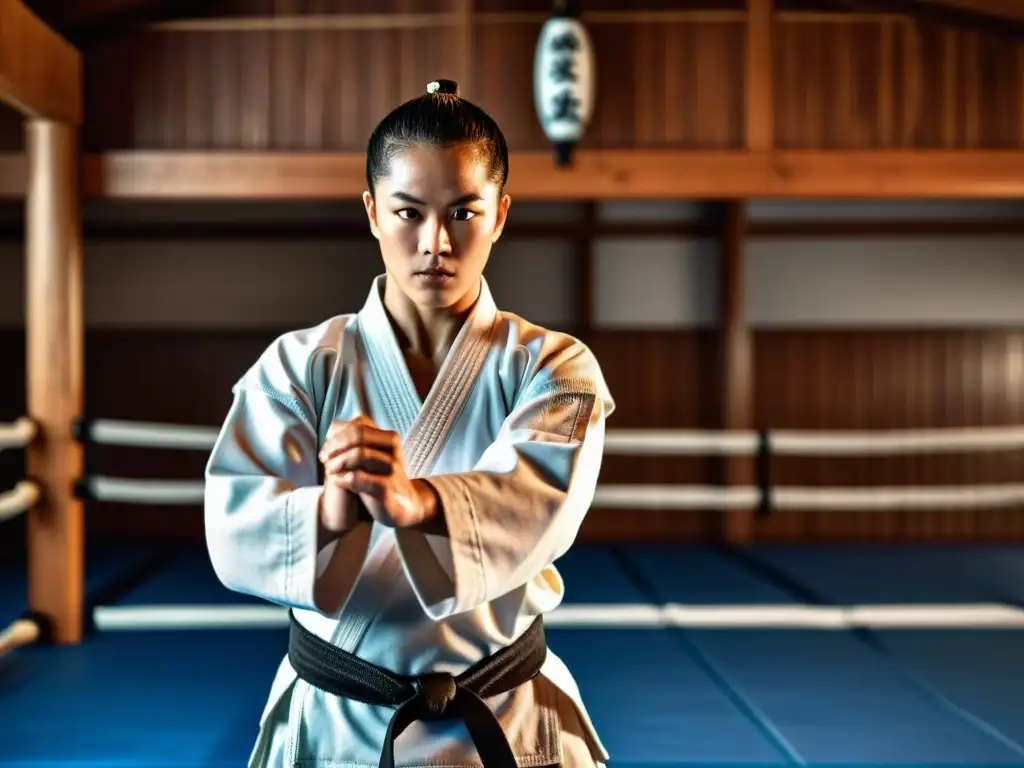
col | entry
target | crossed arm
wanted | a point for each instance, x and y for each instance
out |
(465, 538)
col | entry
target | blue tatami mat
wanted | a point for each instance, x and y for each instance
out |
(836, 701)
(651, 702)
(695, 576)
(660, 697)
(189, 579)
(826, 696)
(106, 566)
(159, 698)
(980, 671)
(900, 574)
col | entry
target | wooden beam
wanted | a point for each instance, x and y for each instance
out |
(596, 175)
(735, 367)
(40, 72)
(54, 328)
(760, 117)
(1004, 9)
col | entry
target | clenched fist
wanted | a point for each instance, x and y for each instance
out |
(360, 458)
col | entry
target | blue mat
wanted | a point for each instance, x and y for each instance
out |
(878, 575)
(695, 576)
(835, 700)
(182, 698)
(659, 697)
(106, 565)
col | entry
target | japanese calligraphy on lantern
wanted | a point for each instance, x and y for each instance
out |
(564, 79)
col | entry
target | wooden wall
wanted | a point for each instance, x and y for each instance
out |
(666, 77)
(806, 380)
(828, 380)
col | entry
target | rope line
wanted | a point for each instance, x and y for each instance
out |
(625, 442)
(621, 616)
(618, 442)
(17, 434)
(18, 500)
(653, 497)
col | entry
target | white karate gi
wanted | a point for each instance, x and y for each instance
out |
(511, 435)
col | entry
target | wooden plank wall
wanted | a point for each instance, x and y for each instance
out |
(667, 78)
(675, 80)
(855, 379)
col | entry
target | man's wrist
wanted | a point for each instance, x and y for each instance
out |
(432, 519)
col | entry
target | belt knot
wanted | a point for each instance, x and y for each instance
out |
(437, 690)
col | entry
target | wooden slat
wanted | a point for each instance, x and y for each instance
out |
(40, 73)
(464, 46)
(760, 76)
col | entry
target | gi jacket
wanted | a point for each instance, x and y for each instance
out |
(511, 435)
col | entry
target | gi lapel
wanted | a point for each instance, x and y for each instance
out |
(424, 426)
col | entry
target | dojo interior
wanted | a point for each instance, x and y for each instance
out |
(792, 232)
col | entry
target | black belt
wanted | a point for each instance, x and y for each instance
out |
(431, 696)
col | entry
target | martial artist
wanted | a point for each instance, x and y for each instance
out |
(404, 477)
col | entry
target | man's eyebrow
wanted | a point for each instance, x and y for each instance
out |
(407, 198)
(472, 197)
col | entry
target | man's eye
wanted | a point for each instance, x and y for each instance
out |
(464, 214)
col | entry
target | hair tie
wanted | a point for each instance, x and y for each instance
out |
(449, 87)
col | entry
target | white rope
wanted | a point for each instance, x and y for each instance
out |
(890, 442)
(623, 442)
(662, 497)
(889, 499)
(678, 442)
(17, 434)
(16, 501)
(144, 434)
(617, 616)
(145, 491)
(674, 497)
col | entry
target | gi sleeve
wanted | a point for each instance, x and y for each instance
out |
(521, 506)
(262, 494)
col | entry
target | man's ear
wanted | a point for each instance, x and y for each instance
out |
(499, 226)
(371, 213)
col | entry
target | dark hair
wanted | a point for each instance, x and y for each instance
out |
(439, 118)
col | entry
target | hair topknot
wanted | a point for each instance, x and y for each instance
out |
(449, 87)
(438, 118)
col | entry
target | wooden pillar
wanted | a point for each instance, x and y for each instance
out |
(54, 331)
(736, 366)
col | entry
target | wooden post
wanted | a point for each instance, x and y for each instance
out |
(736, 367)
(54, 330)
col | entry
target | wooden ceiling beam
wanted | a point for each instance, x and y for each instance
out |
(597, 175)
(40, 72)
(998, 9)
(953, 13)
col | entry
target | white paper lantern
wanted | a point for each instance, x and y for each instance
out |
(564, 78)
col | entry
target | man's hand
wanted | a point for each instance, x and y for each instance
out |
(361, 458)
